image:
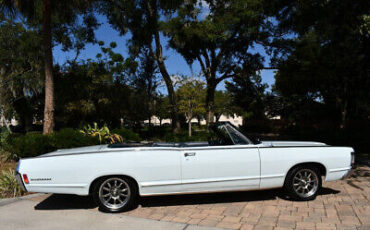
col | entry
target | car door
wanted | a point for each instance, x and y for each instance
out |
(158, 170)
(220, 168)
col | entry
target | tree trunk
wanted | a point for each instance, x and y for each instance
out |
(344, 114)
(152, 7)
(210, 101)
(189, 126)
(190, 114)
(218, 116)
(48, 58)
(167, 79)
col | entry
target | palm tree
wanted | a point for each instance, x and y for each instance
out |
(27, 8)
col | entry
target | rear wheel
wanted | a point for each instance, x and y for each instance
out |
(114, 194)
(303, 183)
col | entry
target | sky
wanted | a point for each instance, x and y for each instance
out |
(175, 63)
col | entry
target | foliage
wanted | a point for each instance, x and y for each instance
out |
(326, 64)
(29, 145)
(58, 22)
(320, 49)
(73, 22)
(144, 20)
(92, 91)
(103, 134)
(144, 84)
(248, 95)
(4, 154)
(127, 134)
(21, 82)
(68, 138)
(162, 108)
(8, 184)
(34, 144)
(191, 99)
(224, 104)
(219, 36)
(191, 96)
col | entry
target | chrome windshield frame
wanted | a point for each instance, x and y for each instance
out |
(229, 126)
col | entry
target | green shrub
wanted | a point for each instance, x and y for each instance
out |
(4, 154)
(7, 156)
(70, 138)
(127, 134)
(4, 133)
(102, 133)
(34, 144)
(28, 145)
(8, 184)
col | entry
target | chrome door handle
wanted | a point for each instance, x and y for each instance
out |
(189, 154)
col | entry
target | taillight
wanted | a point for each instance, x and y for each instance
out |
(352, 159)
(25, 178)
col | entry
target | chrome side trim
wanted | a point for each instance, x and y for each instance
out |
(58, 185)
(208, 191)
(272, 176)
(158, 183)
(340, 169)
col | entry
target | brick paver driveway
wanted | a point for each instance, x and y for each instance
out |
(341, 205)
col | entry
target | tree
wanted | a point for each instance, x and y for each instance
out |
(326, 63)
(144, 20)
(248, 96)
(162, 108)
(145, 83)
(58, 18)
(191, 103)
(223, 104)
(221, 41)
(20, 75)
(96, 90)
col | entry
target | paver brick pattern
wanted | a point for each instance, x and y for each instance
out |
(341, 204)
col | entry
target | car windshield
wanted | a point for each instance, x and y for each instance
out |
(229, 134)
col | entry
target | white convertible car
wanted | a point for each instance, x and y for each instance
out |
(116, 174)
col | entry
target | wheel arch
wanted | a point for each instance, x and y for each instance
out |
(321, 167)
(132, 179)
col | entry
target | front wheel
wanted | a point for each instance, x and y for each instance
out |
(303, 183)
(114, 194)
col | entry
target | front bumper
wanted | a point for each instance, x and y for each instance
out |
(18, 177)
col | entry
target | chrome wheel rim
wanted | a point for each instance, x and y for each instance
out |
(305, 183)
(114, 193)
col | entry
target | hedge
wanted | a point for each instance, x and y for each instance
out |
(34, 143)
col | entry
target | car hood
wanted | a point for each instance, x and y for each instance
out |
(291, 143)
(89, 149)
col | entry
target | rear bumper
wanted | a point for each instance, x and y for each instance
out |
(348, 174)
(351, 171)
(18, 177)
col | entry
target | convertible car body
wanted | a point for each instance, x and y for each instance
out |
(114, 174)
